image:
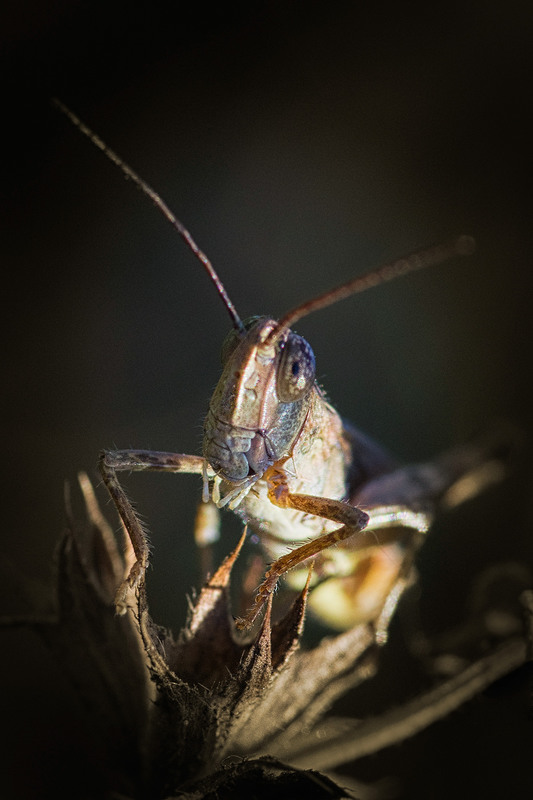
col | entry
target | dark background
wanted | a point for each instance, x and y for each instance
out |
(301, 143)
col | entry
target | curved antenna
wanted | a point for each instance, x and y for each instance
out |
(429, 257)
(159, 203)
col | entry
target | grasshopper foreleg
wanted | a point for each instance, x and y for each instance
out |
(352, 520)
(115, 461)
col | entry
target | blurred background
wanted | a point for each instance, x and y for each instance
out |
(301, 143)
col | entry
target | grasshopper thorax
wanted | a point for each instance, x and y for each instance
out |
(260, 402)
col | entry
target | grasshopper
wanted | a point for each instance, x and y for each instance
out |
(318, 493)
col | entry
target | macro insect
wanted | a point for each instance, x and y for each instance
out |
(318, 493)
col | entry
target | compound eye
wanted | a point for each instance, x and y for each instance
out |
(296, 370)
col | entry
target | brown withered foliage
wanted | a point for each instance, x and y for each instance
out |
(214, 713)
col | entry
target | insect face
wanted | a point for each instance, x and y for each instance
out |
(259, 405)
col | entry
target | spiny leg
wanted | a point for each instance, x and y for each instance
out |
(112, 462)
(352, 520)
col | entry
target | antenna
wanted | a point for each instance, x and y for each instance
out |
(429, 257)
(159, 203)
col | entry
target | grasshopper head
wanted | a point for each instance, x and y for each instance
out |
(260, 402)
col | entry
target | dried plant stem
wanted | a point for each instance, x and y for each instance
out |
(346, 740)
